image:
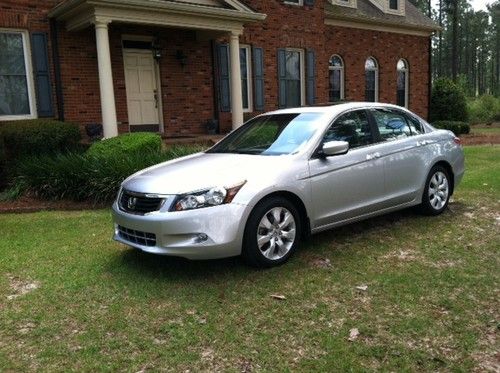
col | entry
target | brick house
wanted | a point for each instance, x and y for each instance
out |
(172, 66)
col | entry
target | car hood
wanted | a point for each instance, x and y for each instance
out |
(204, 170)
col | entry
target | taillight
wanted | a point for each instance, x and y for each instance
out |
(457, 141)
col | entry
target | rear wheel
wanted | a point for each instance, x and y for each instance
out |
(272, 233)
(437, 191)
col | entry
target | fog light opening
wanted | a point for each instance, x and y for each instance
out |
(201, 237)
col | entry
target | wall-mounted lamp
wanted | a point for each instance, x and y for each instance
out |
(156, 49)
(181, 57)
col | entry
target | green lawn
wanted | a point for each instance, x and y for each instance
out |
(72, 299)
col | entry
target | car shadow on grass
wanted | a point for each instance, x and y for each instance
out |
(145, 264)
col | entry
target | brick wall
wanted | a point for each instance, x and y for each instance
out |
(355, 45)
(187, 92)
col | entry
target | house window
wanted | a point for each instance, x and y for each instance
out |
(393, 4)
(336, 78)
(16, 84)
(402, 83)
(246, 86)
(294, 78)
(371, 80)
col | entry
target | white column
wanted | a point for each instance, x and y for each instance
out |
(108, 107)
(236, 97)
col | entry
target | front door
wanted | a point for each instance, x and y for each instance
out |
(142, 90)
(347, 186)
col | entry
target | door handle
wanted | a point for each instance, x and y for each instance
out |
(371, 156)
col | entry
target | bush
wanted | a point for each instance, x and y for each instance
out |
(81, 177)
(458, 128)
(484, 109)
(38, 136)
(448, 102)
(3, 176)
(139, 142)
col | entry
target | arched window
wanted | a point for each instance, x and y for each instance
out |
(402, 83)
(371, 80)
(336, 78)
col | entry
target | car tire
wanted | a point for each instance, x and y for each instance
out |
(437, 191)
(272, 233)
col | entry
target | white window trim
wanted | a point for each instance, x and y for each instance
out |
(400, 11)
(249, 78)
(300, 3)
(342, 72)
(29, 75)
(302, 74)
(346, 3)
(376, 75)
(407, 80)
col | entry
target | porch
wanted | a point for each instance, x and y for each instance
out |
(142, 54)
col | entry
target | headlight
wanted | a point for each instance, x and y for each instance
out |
(207, 198)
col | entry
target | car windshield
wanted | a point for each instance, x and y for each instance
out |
(274, 134)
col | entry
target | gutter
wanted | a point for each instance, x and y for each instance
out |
(161, 6)
(378, 22)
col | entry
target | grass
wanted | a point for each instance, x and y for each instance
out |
(71, 299)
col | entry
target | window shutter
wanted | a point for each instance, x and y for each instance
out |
(309, 2)
(311, 77)
(282, 78)
(224, 84)
(258, 78)
(41, 72)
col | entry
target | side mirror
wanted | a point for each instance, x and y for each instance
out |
(334, 148)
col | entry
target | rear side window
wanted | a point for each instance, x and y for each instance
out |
(391, 125)
(352, 127)
(415, 125)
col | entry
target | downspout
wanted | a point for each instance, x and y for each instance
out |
(57, 68)
(429, 86)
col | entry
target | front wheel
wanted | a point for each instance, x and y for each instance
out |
(437, 191)
(272, 233)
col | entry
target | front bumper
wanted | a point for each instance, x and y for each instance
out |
(207, 233)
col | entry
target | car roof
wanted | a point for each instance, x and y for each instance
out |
(333, 109)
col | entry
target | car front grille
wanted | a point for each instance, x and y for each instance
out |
(138, 237)
(136, 203)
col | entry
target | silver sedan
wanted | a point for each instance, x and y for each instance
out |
(285, 175)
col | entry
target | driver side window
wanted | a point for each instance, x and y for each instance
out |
(352, 127)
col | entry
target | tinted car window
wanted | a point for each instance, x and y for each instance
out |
(352, 127)
(391, 125)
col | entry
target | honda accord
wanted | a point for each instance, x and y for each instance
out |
(285, 175)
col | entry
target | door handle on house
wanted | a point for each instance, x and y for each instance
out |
(156, 98)
(371, 156)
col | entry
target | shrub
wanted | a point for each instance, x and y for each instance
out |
(139, 142)
(448, 102)
(81, 177)
(484, 109)
(3, 176)
(38, 136)
(458, 128)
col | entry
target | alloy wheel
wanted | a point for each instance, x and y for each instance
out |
(438, 190)
(276, 233)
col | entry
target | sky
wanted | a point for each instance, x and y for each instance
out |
(480, 4)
